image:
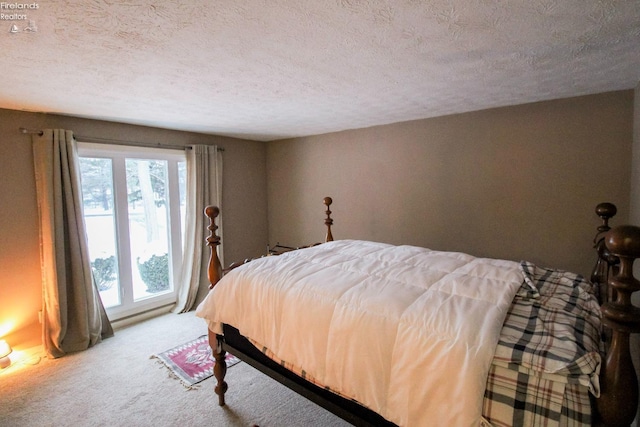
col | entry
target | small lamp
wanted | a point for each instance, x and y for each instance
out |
(5, 351)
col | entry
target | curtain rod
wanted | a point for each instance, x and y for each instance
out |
(116, 141)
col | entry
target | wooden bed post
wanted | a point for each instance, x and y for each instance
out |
(328, 222)
(214, 273)
(220, 367)
(618, 402)
(213, 241)
(606, 260)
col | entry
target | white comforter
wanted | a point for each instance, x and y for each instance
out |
(406, 331)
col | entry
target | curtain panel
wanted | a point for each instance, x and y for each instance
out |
(73, 317)
(204, 187)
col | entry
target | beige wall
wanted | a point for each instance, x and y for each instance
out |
(635, 173)
(634, 217)
(516, 183)
(244, 206)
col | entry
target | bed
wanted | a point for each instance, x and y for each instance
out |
(385, 335)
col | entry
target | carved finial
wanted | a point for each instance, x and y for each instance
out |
(212, 212)
(328, 222)
(606, 211)
(624, 241)
(213, 240)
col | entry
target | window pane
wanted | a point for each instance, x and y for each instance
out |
(97, 198)
(139, 223)
(148, 232)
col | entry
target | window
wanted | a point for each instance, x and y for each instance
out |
(133, 200)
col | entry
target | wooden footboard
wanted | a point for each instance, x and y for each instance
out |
(233, 342)
(215, 273)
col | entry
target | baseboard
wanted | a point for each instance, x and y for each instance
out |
(130, 320)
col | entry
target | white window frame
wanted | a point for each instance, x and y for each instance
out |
(118, 155)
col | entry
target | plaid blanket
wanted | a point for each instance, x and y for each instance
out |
(548, 357)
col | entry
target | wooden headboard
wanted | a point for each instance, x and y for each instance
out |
(617, 249)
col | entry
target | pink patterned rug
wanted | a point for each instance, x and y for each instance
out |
(191, 362)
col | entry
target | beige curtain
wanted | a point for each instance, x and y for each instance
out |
(73, 317)
(204, 187)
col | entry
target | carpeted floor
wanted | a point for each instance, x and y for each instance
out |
(116, 384)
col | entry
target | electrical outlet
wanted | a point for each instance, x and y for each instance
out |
(40, 316)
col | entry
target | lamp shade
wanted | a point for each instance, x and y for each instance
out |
(5, 349)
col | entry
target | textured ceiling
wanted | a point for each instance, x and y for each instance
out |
(271, 69)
